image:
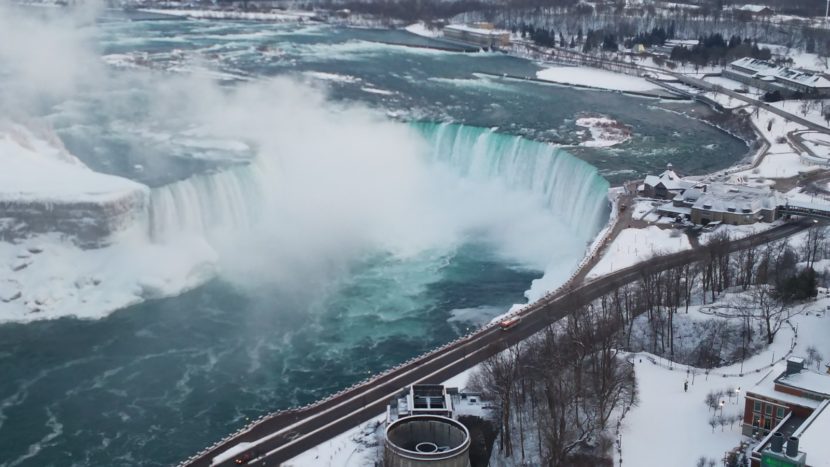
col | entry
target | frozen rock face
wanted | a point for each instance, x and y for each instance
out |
(88, 224)
(44, 189)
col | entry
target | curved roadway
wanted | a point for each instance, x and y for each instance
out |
(284, 435)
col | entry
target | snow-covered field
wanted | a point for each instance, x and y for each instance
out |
(35, 169)
(357, 447)
(818, 143)
(652, 430)
(781, 160)
(810, 110)
(46, 277)
(735, 232)
(635, 245)
(596, 78)
(725, 82)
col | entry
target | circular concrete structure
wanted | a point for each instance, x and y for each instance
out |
(426, 440)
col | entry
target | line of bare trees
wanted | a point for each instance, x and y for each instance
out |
(557, 392)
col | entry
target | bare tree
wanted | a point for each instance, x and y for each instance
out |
(813, 356)
(816, 239)
(760, 304)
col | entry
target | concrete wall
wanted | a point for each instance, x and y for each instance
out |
(403, 435)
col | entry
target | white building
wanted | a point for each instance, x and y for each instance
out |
(764, 75)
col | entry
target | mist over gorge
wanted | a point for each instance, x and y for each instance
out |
(317, 208)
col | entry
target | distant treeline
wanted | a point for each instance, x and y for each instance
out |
(549, 38)
(714, 49)
(657, 36)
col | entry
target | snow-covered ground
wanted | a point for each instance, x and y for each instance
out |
(725, 101)
(645, 210)
(361, 445)
(735, 232)
(47, 275)
(800, 58)
(596, 78)
(635, 245)
(38, 170)
(781, 160)
(807, 109)
(725, 82)
(605, 132)
(818, 143)
(651, 430)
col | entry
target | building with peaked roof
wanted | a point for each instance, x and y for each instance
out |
(729, 204)
(711, 203)
(666, 185)
(791, 408)
(769, 77)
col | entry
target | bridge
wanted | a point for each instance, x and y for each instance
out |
(814, 210)
(276, 438)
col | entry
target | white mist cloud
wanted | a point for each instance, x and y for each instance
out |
(45, 52)
(339, 180)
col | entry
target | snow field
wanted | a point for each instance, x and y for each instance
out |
(636, 245)
(653, 430)
(596, 78)
(61, 279)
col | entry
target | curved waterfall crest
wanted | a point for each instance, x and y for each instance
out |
(225, 199)
(570, 187)
(235, 197)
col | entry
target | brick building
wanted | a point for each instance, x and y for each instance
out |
(791, 408)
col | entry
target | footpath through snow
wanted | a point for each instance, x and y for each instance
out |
(672, 424)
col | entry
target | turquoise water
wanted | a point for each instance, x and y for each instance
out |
(151, 384)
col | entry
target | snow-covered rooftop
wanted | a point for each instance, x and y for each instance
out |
(763, 69)
(807, 380)
(766, 388)
(753, 8)
(670, 180)
(812, 436)
(722, 197)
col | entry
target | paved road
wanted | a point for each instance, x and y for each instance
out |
(282, 437)
(699, 83)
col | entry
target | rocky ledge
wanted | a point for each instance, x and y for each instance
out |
(44, 189)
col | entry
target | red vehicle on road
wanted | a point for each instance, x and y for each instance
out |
(509, 323)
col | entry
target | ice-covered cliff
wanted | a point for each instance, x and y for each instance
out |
(44, 189)
(74, 242)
